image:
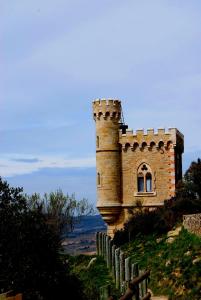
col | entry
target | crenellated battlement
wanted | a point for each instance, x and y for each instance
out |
(141, 166)
(148, 139)
(106, 108)
(108, 101)
(151, 131)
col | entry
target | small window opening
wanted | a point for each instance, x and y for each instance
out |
(144, 168)
(148, 182)
(140, 183)
(98, 179)
(97, 141)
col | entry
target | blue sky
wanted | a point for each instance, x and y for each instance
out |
(56, 56)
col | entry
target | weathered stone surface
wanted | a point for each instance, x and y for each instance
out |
(192, 223)
(174, 233)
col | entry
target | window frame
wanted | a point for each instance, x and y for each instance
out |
(145, 170)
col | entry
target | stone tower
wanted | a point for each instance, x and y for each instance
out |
(107, 115)
(133, 167)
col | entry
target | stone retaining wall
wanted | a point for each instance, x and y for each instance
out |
(192, 223)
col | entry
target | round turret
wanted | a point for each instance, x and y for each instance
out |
(107, 114)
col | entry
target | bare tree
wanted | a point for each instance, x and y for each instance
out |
(62, 211)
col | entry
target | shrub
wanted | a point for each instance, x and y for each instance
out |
(157, 221)
(29, 251)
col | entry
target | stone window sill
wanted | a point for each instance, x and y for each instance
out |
(145, 194)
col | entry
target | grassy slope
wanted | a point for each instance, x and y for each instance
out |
(92, 278)
(175, 268)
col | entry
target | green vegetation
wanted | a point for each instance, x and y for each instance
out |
(158, 221)
(61, 211)
(163, 219)
(30, 245)
(92, 276)
(29, 251)
(175, 267)
(190, 187)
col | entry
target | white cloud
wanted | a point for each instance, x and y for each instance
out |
(15, 164)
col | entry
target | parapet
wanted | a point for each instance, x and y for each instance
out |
(149, 138)
(106, 108)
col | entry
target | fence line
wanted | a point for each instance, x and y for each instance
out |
(132, 282)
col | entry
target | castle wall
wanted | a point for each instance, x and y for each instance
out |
(109, 168)
(159, 150)
(122, 158)
(159, 162)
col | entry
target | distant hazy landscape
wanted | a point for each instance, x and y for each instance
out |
(83, 239)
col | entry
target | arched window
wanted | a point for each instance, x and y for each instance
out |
(144, 179)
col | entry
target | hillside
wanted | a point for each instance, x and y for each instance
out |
(175, 263)
(83, 238)
(174, 260)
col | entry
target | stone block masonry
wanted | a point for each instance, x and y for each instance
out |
(192, 223)
(132, 167)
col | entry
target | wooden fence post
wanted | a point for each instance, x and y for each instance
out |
(133, 285)
(110, 254)
(117, 268)
(100, 244)
(122, 270)
(113, 260)
(97, 243)
(127, 269)
(107, 250)
(104, 292)
(125, 274)
(134, 274)
(142, 285)
(103, 238)
(105, 245)
(134, 270)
